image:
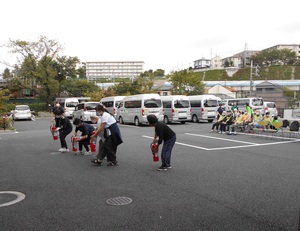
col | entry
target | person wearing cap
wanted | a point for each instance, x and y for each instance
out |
(163, 133)
(85, 138)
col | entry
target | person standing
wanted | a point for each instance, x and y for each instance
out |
(112, 136)
(234, 106)
(85, 138)
(163, 133)
(64, 127)
(220, 111)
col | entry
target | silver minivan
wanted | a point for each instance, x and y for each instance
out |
(177, 108)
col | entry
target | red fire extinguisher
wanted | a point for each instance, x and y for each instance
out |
(93, 144)
(74, 141)
(54, 132)
(154, 150)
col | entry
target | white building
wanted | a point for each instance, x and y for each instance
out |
(113, 69)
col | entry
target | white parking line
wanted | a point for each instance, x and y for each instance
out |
(188, 145)
(231, 147)
(218, 138)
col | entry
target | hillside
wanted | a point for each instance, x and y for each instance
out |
(265, 73)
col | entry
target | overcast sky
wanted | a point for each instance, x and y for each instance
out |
(169, 35)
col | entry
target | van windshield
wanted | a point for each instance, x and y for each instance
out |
(152, 103)
(211, 103)
(71, 104)
(181, 104)
(258, 102)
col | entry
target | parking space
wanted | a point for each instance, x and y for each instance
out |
(190, 135)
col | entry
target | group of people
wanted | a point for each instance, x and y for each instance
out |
(228, 122)
(109, 135)
(107, 130)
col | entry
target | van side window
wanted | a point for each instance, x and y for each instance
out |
(195, 103)
(133, 104)
(181, 104)
(152, 103)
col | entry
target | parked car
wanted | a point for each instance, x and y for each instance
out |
(21, 112)
(84, 111)
(269, 107)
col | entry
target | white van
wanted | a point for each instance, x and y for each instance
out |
(135, 108)
(111, 103)
(68, 104)
(177, 108)
(269, 107)
(254, 103)
(204, 107)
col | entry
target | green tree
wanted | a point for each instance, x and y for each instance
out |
(79, 87)
(3, 97)
(7, 74)
(127, 88)
(186, 82)
(271, 57)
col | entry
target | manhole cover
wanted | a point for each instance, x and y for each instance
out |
(9, 198)
(119, 201)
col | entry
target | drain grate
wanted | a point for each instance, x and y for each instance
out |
(119, 201)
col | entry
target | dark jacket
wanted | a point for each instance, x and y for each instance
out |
(163, 131)
(85, 129)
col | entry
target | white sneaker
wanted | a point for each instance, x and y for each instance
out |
(61, 149)
(87, 153)
(65, 150)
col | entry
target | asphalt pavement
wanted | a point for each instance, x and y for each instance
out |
(217, 182)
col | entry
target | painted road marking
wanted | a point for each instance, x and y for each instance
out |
(231, 147)
(20, 197)
(218, 138)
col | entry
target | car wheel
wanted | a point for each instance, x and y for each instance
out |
(166, 120)
(136, 121)
(195, 119)
(182, 122)
(210, 121)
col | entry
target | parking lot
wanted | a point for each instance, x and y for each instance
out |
(218, 182)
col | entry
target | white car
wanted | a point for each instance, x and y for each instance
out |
(84, 111)
(21, 112)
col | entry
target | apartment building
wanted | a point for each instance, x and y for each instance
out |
(113, 70)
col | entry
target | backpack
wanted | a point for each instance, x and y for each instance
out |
(294, 126)
(285, 123)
